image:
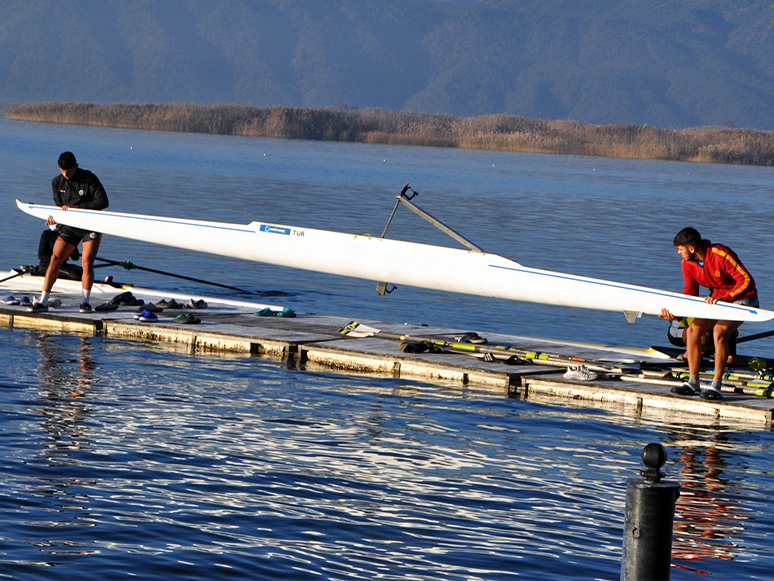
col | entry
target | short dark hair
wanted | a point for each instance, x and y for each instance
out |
(67, 160)
(687, 237)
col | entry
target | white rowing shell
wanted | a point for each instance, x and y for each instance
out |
(395, 261)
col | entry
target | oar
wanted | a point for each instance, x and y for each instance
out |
(12, 276)
(736, 375)
(510, 356)
(754, 363)
(728, 379)
(754, 337)
(669, 379)
(25, 271)
(355, 329)
(130, 266)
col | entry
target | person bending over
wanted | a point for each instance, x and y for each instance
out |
(46, 245)
(717, 268)
(75, 188)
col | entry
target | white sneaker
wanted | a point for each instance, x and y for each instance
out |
(580, 373)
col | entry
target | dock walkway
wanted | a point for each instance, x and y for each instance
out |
(313, 342)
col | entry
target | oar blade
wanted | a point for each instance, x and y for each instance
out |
(355, 329)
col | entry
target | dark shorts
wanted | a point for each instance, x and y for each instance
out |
(75, 236)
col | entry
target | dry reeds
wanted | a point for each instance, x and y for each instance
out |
(494, 132)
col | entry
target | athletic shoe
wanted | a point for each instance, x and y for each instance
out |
(417, 347)
(165, 304)
(10, 300)
(55, 303)
(269, 312)
(580, 373)
(84, 308)
(471, 337)
(106, 307)
(150, 307)
(37, 308)
(200, 304)
(127, 298)
(685, 389)
(148, 317)
(711, 393)
(118, 299)
(25, 302)
(187, 319)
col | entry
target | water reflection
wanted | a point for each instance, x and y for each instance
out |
(708, 519)
(63, 396)
(67, 372)
(181, 466)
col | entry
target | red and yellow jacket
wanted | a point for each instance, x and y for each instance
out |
(722, 272)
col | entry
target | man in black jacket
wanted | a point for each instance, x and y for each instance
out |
(75, 188)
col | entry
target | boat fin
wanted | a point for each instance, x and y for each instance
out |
(632, 316)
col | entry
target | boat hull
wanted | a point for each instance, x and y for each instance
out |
(395, 261)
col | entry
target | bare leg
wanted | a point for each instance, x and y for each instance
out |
(722, 331)
(90, 249)
(693, 335)
(59, 254)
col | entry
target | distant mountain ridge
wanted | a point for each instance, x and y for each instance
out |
(664, 63)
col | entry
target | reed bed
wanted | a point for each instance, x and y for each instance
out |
(493, 132)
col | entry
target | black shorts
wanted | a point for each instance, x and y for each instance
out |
(75, 236)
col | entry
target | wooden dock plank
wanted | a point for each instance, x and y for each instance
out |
(313, 342)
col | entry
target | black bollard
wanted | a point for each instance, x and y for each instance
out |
(650, 513)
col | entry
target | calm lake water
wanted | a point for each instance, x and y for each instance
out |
(126, 459)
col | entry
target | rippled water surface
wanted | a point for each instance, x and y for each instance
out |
(607, 218)
(128, 459)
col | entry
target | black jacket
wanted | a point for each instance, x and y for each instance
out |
(84, 190)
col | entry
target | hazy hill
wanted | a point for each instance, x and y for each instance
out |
(665, 63)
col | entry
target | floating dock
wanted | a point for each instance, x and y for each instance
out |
(314, 343)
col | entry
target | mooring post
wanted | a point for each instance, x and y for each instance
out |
(650, 513)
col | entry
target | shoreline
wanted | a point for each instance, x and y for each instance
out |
(500, 132)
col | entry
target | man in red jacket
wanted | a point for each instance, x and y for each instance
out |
(717, 268)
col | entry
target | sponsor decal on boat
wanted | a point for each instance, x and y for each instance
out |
(275, 229)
